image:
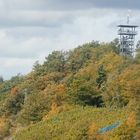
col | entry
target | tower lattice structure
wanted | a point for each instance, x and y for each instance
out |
(127, 35)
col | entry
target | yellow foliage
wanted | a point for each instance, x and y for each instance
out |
(93, 129)
(94, 135)
(61, 89)
(4, 128)
(14, 90)
(55, 109)
(138, 135)
(111, 62)
(131, 120)
(127, 130)
(89, 71)
(2, 123)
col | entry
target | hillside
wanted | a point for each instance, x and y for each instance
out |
(74, 94)
(72, 125)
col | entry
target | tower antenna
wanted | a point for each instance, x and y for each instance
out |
(128, 17)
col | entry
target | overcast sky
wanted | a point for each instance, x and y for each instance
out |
(31, 29)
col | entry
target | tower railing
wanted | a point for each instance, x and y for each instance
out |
(120, 32)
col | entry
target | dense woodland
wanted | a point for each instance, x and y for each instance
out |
(72, 95)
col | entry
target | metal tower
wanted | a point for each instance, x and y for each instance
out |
(127, 35)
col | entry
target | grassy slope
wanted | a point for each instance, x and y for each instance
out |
(71, 125)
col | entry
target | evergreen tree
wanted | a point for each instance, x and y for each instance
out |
(102, 77)
(1, 79)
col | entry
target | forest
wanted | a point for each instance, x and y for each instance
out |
(73, 95)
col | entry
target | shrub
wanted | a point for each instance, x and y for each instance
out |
(35, 107)
(4, 128)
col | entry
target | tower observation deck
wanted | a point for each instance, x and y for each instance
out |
(127, 35)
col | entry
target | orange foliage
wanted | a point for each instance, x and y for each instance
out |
(14, 90)
(131, 120)
(55, 109)
(4, 128)
(94, 135)
(2, 123)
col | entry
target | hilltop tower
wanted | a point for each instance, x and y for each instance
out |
(127, 35)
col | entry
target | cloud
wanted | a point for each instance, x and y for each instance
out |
(119, 4)
(69, 4)
(30, 41)
(31, 29)
(11, 67)
(33, 19)
(54, 13)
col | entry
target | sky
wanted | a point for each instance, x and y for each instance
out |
(31, 29)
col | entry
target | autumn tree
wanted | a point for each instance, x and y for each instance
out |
(13, 103)
(102, 77)
(137, 58)
(55, 62)
(1, 79)
(80, 57)
(83, 91)
(35, 107)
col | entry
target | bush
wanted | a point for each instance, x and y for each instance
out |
(13, 102)
(4, 128)
(35, 107)
(127, 131)
(73, 124)
(83, 92)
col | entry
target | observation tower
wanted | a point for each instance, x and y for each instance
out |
(127, 35)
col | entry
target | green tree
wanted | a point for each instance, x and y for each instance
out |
(83, 91)
(1, 79)
(102, 77)
(14, 81)
(137, 58)
(13, 103)
(80, 57)
(55, 62)
(115, 44)
(36, 106)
